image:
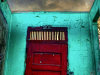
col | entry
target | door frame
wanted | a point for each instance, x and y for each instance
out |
(62, 29)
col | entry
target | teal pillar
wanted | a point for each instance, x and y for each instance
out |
(99, 7)
(0, 4)
(96, 46)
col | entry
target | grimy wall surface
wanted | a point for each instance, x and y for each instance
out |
(80, 52)
(3, 41)
(7, 14)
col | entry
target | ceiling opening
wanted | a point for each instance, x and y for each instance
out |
(50, 5)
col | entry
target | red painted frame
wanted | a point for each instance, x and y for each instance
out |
(62, 42)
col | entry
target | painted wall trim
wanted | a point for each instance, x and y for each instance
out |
(96, 45)
(94, 23)
(95, 19)
(94, 9)
(8, 16)
(9, 31)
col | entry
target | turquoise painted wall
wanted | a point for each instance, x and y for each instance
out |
(79, 39)
(6, 11)
(95, 44)
(94, 9)
(94, 32)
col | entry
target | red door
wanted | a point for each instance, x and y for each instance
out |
(46, 57)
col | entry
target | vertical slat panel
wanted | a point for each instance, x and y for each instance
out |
(60, 35)
(39, 35)
(42, 35)
(52, 35)
(49, 35)
(34, 35)
(63, 36)
(30, 35)
(57, 35)
(45, 35)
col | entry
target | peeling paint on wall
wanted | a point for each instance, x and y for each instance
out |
(79, 46)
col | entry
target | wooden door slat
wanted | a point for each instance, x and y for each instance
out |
(46, 67)
(47, 35)
(34, 35)
(30, 35)
(50, 35)
(57, 35)
(60, 35)
(47, 48)
(45, 73)
(53, 35)
(63, 36)
(37, 35)
(47, 58)
(42, 35)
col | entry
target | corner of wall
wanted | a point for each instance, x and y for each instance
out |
(93, 26)
(0, 4)
(94, 9)
(8, 16)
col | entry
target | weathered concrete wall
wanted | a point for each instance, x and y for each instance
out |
(79, 40)
(94, 32)
(3, 41)
(7, 14)
(95, 44)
